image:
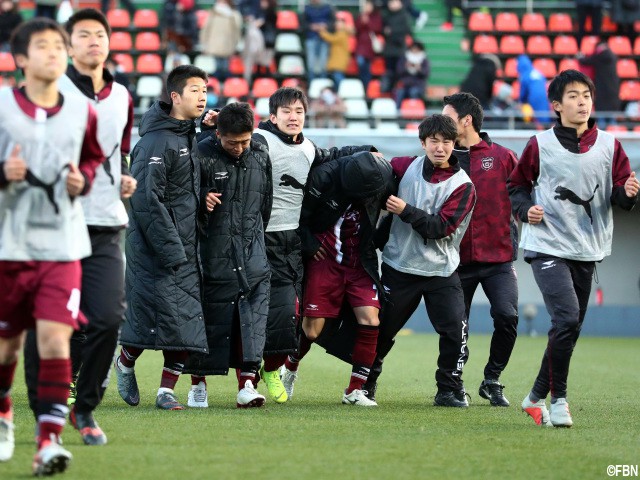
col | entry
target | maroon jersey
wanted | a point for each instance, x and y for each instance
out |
(342, 242)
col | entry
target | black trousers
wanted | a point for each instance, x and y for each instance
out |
(565, 287)
(103, 304)
(500, 285)
(444, 302)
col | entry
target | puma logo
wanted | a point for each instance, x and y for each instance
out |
(566, 194)
(289, 181)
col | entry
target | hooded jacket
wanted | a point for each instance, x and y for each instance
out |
(533, 88)
(162, 279)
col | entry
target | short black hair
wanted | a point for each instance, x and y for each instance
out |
(438, 124)
(285, 96)
(235, 118)
(178, 77)
(465, 104)
(560, 82)
(87, 14)
(21, 36)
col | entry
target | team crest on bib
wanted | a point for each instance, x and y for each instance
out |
(487, 163)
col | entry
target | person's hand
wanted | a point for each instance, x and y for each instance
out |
(212, 199)
(395, 205)
(128, 185)
(15, 168)
(535, 214)
(320, 254)
(75, 181)
(210, 119)
(632, 185)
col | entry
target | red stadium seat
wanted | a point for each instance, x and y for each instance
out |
(627, 68)
(373, 89)
(608, 25)
(636, 129)
(347, 17)
(620, 45)
(507, 22)
(201, 16)
(546, 66)
(511, 68)
(412, 126)
(636, 46)
(378, 67)
(236, 65)
(235, 87)
(616, 128)
(291, 82)
(565, 45)
(436, 92)
(6, 62)
(588, 44)
(287, 20)
(148, 41)
(533, 22)
(560, 22)
(214, 84)
(118, 18)
(352, 43)
(515, 93)
(149, 63)
(511, 45)
(538, 45)
(485, 44)
(630, 91)
(412, 109)
(568, 64)
(352, 68)
(125, 61)
(263, 87)
(145, 18)
(480, 22)
(120, 41)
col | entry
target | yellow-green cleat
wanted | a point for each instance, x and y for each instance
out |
(72, 394)
(274, 385)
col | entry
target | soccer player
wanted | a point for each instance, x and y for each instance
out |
(563, 190)
(234, 259)
(339, 216)
(103, 272)
(162, 280)
(430, 215)
(292, 156)
(49, 155)
(489, 246)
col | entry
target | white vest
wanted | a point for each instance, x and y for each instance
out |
(407, 251)
(575, 191)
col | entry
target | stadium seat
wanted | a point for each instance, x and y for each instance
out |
(201, 16)
(384, 108)
(288, 42)
(560, 22)
(317, 85)
(7, 63)
(378, 67)
(511, 45)
(291, 65)
(124, 61)
(616, 128)
(373, 89)
(538, 45)
(351, 88)
(608, 25)
(352, 67)
(214, 84)
(388, 127)
(353, 43)
(148, 89)
(263, 87)
(436, 92)
(149, 63)
(118, 18)
(588, 44)
(533, 22)
(565, 45)
(546, 66)
(148, 41)
(412, 109)
(356, 108)
(206, 63)
(291, 83)
(262, 107)
(358, 125)
(620, 45)
(568, 64)
(511, 68)
(235, 87)
(630, 91)
(236, 65)
(627, 68)
(636, 46)
(485, 44)
(453, 89)
(287, 20)
(120, 42)
(636, 129)
(480, 22)
(412, 126)
(145, 18)
(507, 22)
(347, 17)
(515, 92)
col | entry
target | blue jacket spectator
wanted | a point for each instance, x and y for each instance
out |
(533, 88)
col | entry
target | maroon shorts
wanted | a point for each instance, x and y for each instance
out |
(39, 290)
(328, 284)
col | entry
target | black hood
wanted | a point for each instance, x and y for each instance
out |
(84, 82)
(158, 118)
(269, 126)
(365, 175)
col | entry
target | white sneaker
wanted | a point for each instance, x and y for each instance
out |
(288, 378)
(538, 411)
(51, 459)
(422, 20)
(249, 397)
(198, 397)
(560, 414)
(7, 440)
(358, 397)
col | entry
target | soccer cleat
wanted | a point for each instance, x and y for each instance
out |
(249, 397)
(359, 398)
(560, 415)
(72, 394)
(7, 439)
(370, 390)
(51, 458)
(127, 385)
(288, 378)
(446, 27)
(91, 433)
(492, 391)
(451, 399)
(538, 411)
(168, 401)
(198, 397)
(274, 385)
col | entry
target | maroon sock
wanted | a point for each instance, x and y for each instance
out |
(292, 362)
(54, 379)
(243, 375)
(274, 362)
(129, 355)
(172, 368)
(364, 352)
(6, 380)
(196, 379)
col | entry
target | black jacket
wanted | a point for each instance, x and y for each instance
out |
(234, 259)
(163, 265)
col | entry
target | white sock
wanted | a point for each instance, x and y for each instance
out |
(124, 369)
(162, 390)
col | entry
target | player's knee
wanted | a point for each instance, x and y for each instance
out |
(54, 346)
(310, 332)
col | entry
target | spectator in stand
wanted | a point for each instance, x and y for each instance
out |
(625, 13)
(368, 23)
(220, 35)
(339, 54)
(533, 89)
(412, 73)
(606, 80)
(253, 46)
(46, 8)
(108, 4)
(180, 25)
(328, 110)
(317, 15)
(10, 18)
(584, 10)
(269, 17)
(421, 17)
(447, 26)
(479, 80)
(174, 59)
(396, 28)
